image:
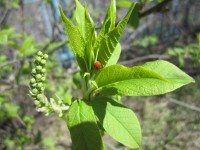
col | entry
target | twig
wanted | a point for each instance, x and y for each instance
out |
(178, 102)
(156, 8)
(4, 18)
(109, 146)
(47, 45)
(64, 43)
(22, 16)
(4, 15)
(142, 58)
(29, 60)
(13, 62)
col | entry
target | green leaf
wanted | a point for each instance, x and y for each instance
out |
(80, 17)
(85, 23)
(54, 45)
(87, 30)
(109, 21)
(28, 42)
(124, 4)
(169, 71)
(118, 121)
(110, 40)
(134, 18)
(76, 40)
(89, 27)
(153, 78)
(11, 110)
(83, 127)
(115, 56)
(108, 24)
(7, 32)
(90, 39)
(28, 47)
(49, 143)
(4, 35)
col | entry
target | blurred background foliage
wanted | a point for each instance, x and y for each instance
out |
(163, 29)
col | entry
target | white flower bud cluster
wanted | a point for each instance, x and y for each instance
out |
(37, 88)
(38, 78)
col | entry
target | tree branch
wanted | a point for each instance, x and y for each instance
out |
(4, 17)
(183, 104)
(156, 8)
(142, 58)
(13, 62)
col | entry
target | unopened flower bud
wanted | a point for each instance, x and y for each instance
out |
(38, 58)
(42, 88)
(39, 53)
(32, 81)
(38, 76)
(33, 71)
(43, 70)
(39, 96)
(36, 102)
(39, 85)
(43, 62)
(43, 79)
(45, 56)
(39, 68)
(34, 91)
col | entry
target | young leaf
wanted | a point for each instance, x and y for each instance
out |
(85, 23)
(108, 25)
(83, 127)
(75, 39)
(118, 121)
(27, 47)
(74, 35)
(153, 78)
(124, 4)
(110, 40)
(109, 22)
(90, 37)
(89, 27)
(134, 18)
(80, 17)
(115, 55)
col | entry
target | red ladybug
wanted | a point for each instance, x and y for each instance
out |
(97, 65)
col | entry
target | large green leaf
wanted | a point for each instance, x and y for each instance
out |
(118, 121)
(169, 71)
(83, 127)
(111, 39)
(153, 78)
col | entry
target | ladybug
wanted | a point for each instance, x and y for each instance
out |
(98, 65)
